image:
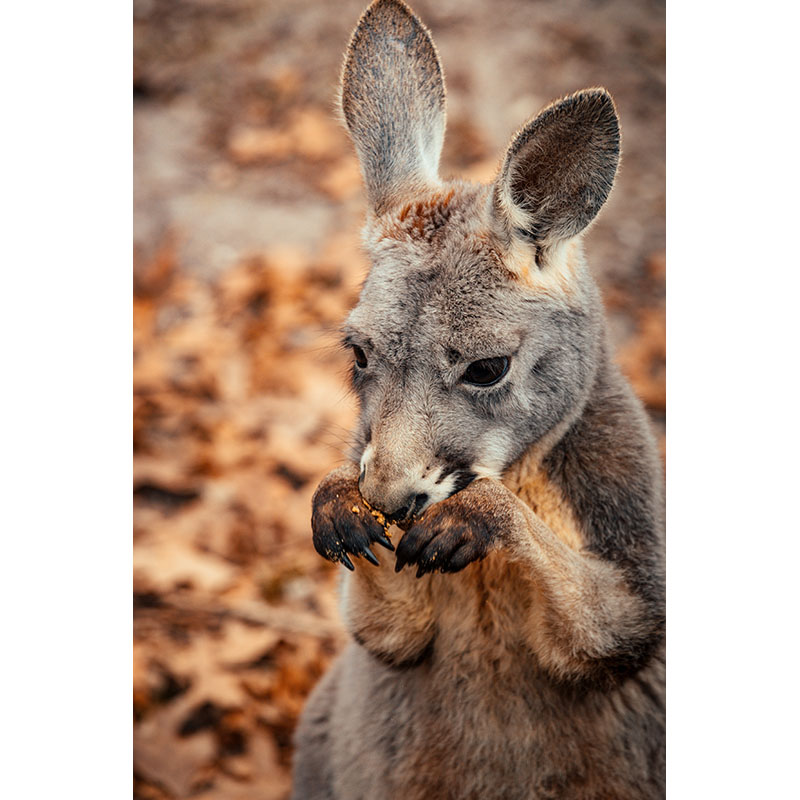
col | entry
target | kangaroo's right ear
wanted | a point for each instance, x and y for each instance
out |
(393, 102)
(559, 170)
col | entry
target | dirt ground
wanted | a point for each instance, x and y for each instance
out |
(247, 211)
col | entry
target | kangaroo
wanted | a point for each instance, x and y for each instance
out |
(512, 647)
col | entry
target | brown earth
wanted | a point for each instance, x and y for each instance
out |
(246, 215)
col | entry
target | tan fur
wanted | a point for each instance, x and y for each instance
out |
(579, 602)
(365, 592)
(416, 218)
(575, 603)
(561, 277)
(528, 480)
(420, 219)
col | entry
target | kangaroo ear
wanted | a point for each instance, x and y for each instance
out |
(559, 169)
(393, 103)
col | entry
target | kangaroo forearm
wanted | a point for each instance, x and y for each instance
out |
(584, 619)
(579, 613)
(389, 614)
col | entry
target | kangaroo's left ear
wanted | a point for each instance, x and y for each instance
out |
(559, 169)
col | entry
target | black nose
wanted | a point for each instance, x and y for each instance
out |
(413, 503)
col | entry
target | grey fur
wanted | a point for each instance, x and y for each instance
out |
(533, 665)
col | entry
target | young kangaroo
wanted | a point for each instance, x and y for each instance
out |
(513, 646)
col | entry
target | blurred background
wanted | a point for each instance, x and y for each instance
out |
(247, 210)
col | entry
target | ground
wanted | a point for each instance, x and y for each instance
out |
(247, 210)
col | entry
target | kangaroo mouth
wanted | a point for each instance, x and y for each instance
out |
(412, 513)
(405, 517)
(403, 522)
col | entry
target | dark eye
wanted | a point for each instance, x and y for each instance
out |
(486, 372)
(361, 356)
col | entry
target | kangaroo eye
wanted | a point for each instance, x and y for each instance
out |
(361, 356)
(486, 372)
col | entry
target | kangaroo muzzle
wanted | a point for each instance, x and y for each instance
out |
(392, 488)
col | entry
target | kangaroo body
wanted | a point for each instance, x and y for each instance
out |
(524, 657)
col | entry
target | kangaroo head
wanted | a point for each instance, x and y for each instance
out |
(478, 330)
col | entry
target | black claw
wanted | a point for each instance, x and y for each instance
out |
(368, 554)
(421, 571)
(384, 540)
(347, 562)
(399, 564)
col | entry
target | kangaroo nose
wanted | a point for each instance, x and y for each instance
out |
(396, 502)
(412, 503)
